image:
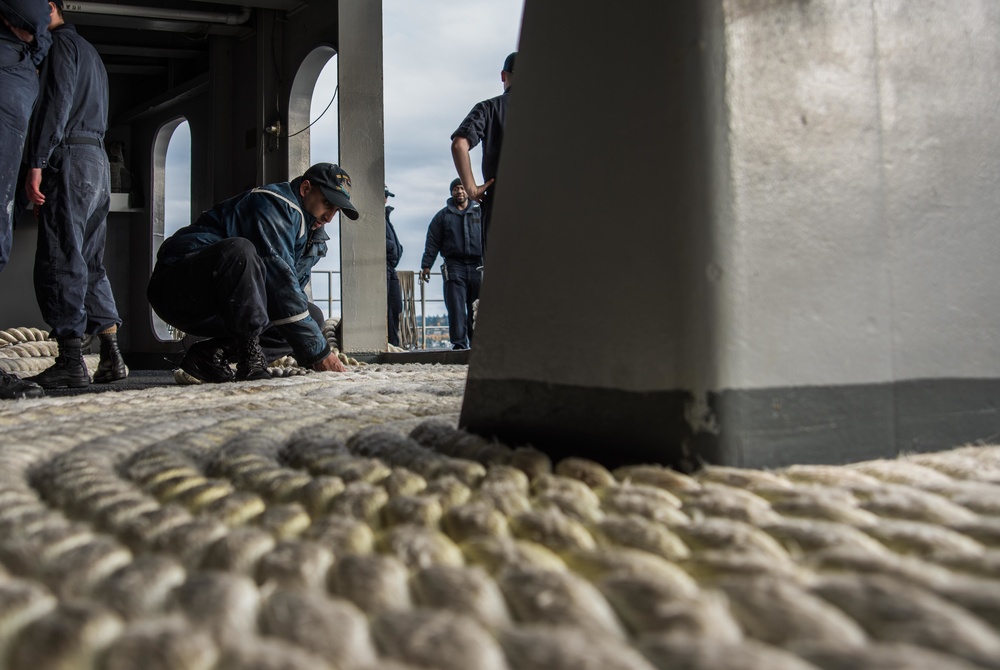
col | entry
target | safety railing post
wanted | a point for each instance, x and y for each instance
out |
(330, 300)
(329, 294)
(423, 316)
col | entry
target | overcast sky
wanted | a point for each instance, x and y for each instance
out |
(441, 57)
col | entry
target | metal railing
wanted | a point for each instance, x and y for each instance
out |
(329, 301)
(326, 278)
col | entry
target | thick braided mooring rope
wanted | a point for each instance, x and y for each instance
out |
(27, 351)
(287, 366)
(343, 521)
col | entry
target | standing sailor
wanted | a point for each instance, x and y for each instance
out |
(69, 181)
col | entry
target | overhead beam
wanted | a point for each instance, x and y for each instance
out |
(178, 94)
(103, 8)
(148, 52)
(143, 70)
(283, 5)
(161, 25)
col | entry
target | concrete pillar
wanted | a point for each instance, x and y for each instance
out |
(751, 233)
(362, 154)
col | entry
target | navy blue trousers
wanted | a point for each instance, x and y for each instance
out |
(19, 86)
(216, 292)
(71, 286)
(394, 299)
(486, 215)
(273, 343)
(461, 289)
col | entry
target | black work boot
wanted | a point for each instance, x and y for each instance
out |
(70, 370)
(208, 362)
(250, 363)
(13, 388)
(112, 366)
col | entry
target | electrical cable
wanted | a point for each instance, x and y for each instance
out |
(314, 122)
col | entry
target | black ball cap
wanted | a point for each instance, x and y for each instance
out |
(335, 184)
(508, 64)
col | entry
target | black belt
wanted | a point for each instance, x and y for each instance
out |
(80, 139)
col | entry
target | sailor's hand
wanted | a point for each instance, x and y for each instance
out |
(425, 274)
(480, 191)
(330, 364)
(33, 186)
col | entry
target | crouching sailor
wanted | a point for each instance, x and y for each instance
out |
(243, 267)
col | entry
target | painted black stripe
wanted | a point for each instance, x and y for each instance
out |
(756, 428)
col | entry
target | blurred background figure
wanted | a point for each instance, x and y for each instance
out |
(24, 41)
(456, 233)
(393, 252)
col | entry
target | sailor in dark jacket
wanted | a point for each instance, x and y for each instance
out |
(24, 41)
(394, 294)
(456, 233)
(243, 266)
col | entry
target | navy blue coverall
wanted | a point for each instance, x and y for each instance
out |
(19, 87)
(457, 235)
(66, 140)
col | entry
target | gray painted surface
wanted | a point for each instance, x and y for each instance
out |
(940, 97)
(18, 306)
(752, 199)
(362, 154)
(598, 237)
(805, 296)
(300, 110)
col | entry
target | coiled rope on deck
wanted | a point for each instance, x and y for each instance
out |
(17, 335)
(287, 366)
(27, 350)
(343, 521)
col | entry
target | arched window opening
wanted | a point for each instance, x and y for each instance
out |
(313, 127)
(171, 196)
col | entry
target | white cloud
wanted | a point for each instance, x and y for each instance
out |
(177, 180)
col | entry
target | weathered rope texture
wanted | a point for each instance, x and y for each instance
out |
(342, 521)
